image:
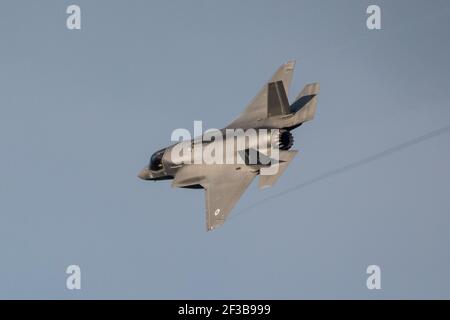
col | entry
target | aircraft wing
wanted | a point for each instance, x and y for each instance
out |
(224, 187)
(223, 184)
(272, 93)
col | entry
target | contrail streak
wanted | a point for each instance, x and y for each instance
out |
(350, 166)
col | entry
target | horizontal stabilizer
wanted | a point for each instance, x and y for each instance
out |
(285, 158)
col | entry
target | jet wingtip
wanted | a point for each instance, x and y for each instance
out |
(290, 64)
(214, 226)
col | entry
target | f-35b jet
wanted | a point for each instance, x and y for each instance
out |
(224, 182)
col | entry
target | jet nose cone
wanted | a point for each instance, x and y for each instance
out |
(144, 174)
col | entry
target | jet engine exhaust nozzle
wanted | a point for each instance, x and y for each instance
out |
(283, 140)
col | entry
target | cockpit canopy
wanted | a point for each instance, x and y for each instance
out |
(156, 160)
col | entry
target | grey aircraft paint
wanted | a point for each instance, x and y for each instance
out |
(225, 183)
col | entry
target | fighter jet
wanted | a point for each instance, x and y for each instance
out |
(269, 112)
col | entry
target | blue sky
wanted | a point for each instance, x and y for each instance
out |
(82, 111)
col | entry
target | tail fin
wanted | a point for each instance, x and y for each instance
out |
(304, 106)
(308, 92)
(277, 101)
